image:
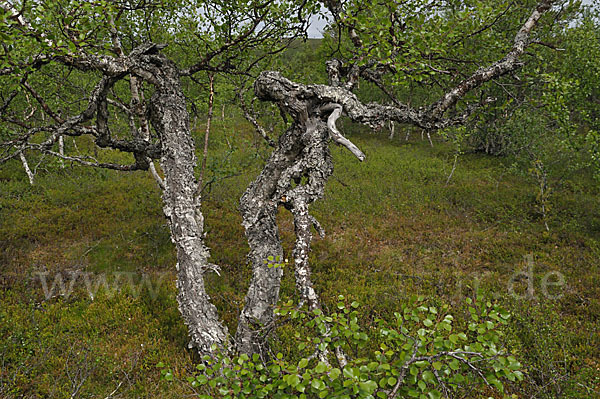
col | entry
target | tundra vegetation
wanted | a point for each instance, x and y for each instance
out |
(458, 249)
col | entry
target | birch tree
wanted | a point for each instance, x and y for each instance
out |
(132, 100)
(380, 49)
(128, 96)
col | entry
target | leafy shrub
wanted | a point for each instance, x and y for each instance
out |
(420, 354)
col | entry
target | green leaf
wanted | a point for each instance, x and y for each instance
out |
(434, 394)
(320, 368)
(292, 380)
(317, 384)
(334, 373)
(429, 377)
(348, 372)
(454, 364)
(368, 387)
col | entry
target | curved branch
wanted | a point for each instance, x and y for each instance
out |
(336, 135)
(502, 67)
(432, 117)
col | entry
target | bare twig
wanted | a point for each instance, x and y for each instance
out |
(452, 171)
(252, 119)
(211, 96)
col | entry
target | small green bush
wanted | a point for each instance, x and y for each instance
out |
(419, 355)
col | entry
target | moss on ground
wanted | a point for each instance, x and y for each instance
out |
(394, 229)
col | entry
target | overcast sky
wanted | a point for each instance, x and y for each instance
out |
(315, 29)
(317, 24)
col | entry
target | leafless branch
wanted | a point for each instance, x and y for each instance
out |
(252, 119)
(211, 96)
(336, 112)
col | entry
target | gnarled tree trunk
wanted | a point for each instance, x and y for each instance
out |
(259, 206)
(293, 177)
(170, 118)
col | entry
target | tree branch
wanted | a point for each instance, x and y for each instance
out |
(336, 135)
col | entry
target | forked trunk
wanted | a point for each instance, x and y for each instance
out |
(259, 206)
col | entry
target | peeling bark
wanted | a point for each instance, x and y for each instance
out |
(170, 118)
(302, 154)
(294, 177)
(258, 207)
(317, 166)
